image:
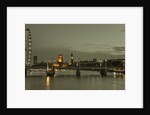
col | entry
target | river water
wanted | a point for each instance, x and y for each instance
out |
(67, 80)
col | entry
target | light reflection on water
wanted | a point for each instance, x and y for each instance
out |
(67, 80)
(48, 82)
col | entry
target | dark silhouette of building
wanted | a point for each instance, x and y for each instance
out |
(71, 58)
(35, 60)
(94, 60)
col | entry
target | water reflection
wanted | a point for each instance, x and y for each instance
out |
(114, 82)
(87, 81)
(120, 75)
(48, 80)
(114, 74)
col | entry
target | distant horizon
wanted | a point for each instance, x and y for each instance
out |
(85, 41)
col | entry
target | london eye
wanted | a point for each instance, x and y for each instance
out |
(28, 47)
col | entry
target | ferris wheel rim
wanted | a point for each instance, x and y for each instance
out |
(28, 47)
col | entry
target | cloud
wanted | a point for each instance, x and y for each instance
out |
(90, 47)
(94, 44)
(95, 49)
(117, 51)
(118, 48)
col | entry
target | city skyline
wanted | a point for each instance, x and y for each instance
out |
(85, 41)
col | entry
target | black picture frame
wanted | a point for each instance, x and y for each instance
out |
(103, 3)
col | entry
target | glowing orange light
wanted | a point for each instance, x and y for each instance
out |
(64, 65)
(59, 59)
(55, 64)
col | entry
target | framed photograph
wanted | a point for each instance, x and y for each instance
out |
(74, 57)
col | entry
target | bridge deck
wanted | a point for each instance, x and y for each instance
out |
(109, 69)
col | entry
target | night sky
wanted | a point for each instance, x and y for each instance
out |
(85, 41)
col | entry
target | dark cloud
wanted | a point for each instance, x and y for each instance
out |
(94, 44)
(118, 48)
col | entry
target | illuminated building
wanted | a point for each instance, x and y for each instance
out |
(60, 58)
(55, 64)
(64, 65)
(60, 64)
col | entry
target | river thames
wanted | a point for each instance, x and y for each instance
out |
(67, 80)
